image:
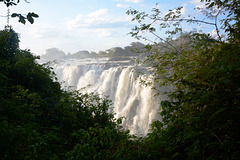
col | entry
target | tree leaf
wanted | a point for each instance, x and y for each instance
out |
(22, 19)
(34, 15)
(15, 15)
(29, 18)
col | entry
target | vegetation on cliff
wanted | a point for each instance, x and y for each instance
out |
(39, 120)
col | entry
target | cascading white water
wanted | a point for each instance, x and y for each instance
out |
(120, 82)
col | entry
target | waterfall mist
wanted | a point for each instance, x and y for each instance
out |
(119, 81)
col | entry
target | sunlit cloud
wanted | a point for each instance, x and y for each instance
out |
(184, 10)
(101, 33)
(134, 1)
(44, 32)
(122, 5)
(198, 4)
(95, 18)
(213, 33)
(98, 13)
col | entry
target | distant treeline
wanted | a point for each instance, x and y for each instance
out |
(114, 53)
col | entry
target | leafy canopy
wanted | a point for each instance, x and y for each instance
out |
(199, 120)
(39, 120)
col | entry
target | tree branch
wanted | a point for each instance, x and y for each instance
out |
(187, 20)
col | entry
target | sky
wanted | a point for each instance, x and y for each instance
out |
(74, 25)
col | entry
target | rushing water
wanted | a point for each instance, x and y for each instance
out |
(120, 82)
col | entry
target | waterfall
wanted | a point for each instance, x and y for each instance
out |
(120, 82)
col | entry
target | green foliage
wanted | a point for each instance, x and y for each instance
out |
(22, 19)
(39, 120)
(231, 22)
(94, 143)
(9, 43)
(199, 120)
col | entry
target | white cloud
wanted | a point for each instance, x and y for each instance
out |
(97, 17)
(101, 33)
(122, 5)
(75, 22)
(198, 3)
(184, 10)
(40, 31)
(98, 13)
(134, 1)
(213, 33)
